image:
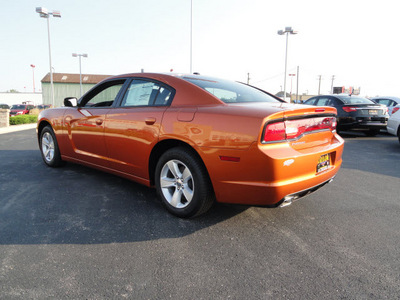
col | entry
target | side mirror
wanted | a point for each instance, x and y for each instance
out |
(70, 101)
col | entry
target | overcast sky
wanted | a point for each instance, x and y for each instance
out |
(355, 41)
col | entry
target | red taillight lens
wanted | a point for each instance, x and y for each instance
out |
(349, 108)
(274, 132)
(395, 109)
(292, 129)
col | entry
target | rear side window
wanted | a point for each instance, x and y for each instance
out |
(309, 102)
(232, 92)
(146, 93)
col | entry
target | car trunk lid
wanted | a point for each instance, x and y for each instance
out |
(302, 128)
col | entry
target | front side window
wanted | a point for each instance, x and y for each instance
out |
(146, 93)
(104, 95)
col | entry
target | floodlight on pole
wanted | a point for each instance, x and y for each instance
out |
(80, 69)
(287, 31)
(44, 13)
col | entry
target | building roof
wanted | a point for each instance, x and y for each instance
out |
(74, 78)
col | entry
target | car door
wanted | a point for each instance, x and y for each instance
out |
(132, 127)
(85, 124)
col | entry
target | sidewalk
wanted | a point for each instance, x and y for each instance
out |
(13, 128)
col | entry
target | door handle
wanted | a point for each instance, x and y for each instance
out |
(99, 121)
(150, 121)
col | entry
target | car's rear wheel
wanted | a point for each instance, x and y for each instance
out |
(49, 148)
(183, 184)
(372, 132)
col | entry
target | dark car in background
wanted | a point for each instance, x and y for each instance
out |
(390, 102)
(43, 106)
(4, 106)
(20, 109)
(354, 112)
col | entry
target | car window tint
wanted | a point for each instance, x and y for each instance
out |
(163, 97)
(355, 100)
(224, 95)
(309, 102)
(146, 93)
(323, 102)
(383, 101)
(231, 92)
(104, 96)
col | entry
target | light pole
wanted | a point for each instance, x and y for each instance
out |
(33, 76)
(80, 69)
(44, 13)
(287, 31)
(291, 85)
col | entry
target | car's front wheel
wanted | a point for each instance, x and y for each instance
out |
(183, 184)
(49, 148)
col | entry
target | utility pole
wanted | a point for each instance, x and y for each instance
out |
(333, 78)
(248, 78)
(319, 85)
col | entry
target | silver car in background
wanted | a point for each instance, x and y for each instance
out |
(390, 102)
(393, 124)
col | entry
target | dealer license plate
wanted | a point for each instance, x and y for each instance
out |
(324, 163)
(373, 112)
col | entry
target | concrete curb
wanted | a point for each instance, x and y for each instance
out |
(14, 128)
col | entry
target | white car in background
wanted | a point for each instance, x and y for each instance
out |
(390, 102)
(393, 124)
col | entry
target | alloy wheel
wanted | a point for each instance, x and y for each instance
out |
(48, 147)
(176, 182)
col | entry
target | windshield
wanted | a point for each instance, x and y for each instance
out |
(230, 91)
(18, 107)
(355, 100)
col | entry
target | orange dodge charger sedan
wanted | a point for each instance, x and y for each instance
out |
(196, 139)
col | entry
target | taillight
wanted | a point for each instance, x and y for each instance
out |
(275, 132)
(395, 109)
(349, 108)
(292, 129)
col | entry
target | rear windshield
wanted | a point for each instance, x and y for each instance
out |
(230, 91)
(355, 100)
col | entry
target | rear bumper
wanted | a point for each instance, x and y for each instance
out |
(289, 199)
(267, 175)
(362, 122)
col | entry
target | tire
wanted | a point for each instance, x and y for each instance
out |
(49, 148)
(372, 132)
(183, 184)
(398, 133)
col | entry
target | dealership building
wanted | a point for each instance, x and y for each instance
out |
(68, 85)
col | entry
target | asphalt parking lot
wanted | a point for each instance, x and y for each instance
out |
(77, 233)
